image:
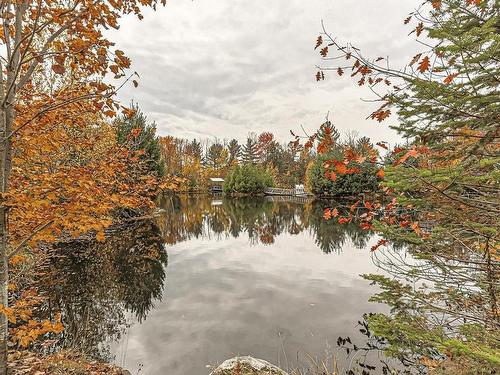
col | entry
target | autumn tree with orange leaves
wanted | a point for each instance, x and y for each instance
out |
(53, 108)
(442, 190)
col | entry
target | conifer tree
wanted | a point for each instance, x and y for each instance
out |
(249, 151)
(234, 150)
(445, 188)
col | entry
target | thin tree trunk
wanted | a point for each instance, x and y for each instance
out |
(4, 279)
(3, 237)
(7, 117)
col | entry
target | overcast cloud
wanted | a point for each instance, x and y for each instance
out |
(222, 68)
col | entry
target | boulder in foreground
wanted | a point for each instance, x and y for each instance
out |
(247, 366)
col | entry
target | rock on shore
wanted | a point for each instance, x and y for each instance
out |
(247, 366)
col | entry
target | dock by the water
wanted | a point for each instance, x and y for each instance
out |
(297, 191)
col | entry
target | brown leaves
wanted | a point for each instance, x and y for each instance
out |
(380, 115)
(340, 71)
(436, 4)
(419, 28)
(319, 42)
(415, 59)
(324, 51)
(383, 145)
(412, 153)
(424, 65)
(320, 76)
(380, 242)
(58, 69)
(450, 78)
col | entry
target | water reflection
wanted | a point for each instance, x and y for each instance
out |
(245, 276)
(260, 219)
(95, 284)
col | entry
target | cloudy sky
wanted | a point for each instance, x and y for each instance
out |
(223, 68)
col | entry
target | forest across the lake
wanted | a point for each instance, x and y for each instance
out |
(126, 246)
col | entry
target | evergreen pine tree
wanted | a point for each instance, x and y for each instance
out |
(249, 151)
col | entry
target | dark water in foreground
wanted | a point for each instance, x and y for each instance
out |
(253, 277)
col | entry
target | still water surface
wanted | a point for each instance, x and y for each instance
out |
(271, 279)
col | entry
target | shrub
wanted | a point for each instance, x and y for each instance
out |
(345, 184)
(247, 179)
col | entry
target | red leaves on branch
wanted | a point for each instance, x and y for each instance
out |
(416, 227)
(450, 78)
(380, 115)
(381, 242)
(328, 214)
(412, 153)
(340, 167)
(424, 65)
(343, 220)
(436, 4)
(135, 132)
(366, 226)
(383, 145)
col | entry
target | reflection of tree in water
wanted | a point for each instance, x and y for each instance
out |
(261, 219)
(95, 284)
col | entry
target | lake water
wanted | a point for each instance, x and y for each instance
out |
(261, 277)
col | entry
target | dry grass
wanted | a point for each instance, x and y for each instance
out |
(320, 367)
(61, 363)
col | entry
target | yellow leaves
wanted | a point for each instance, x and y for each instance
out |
(16, 260)
(9, 313)
(26, 329)
(100, 236)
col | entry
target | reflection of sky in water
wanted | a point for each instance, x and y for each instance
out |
(228, 297)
